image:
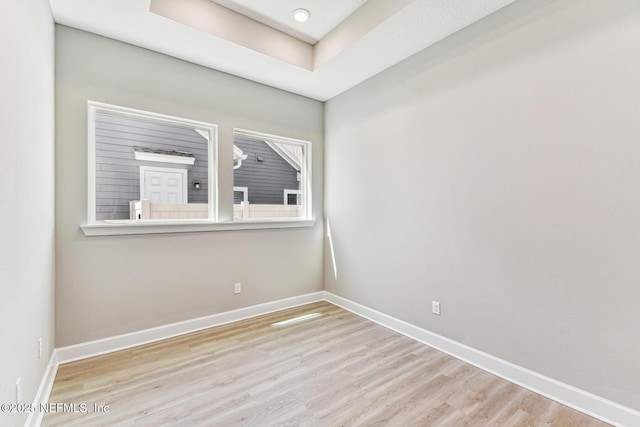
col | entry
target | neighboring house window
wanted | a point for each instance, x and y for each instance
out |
(240, 194)
(148, 166)
(292, 197)
(276, 171)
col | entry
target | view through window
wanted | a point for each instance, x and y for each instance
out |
(146, 167)
(270, 177)
(149, 167)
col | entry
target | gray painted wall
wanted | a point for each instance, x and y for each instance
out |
(118, 173)
(113, 285)
(267, 179)
(26, 198)
(523, 218)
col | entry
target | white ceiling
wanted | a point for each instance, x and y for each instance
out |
(375, 35)
(325, 14)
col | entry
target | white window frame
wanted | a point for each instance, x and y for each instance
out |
(305, 166)
(209, 131)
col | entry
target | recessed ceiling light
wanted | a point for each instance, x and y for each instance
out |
(301, 15)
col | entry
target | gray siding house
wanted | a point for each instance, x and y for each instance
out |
(119, 139)
(268, 174)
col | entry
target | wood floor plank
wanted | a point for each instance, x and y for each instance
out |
(335, 369)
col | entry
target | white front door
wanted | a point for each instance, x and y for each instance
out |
(163, 185)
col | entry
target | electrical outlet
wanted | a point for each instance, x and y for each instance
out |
(18, 390)
(237, 288)
(40, 348)
(435, 307)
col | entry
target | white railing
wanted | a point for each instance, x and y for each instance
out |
(145, 209)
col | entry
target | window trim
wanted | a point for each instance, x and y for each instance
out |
(126, 227)
(208, 130)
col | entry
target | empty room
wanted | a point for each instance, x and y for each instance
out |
(320, 213)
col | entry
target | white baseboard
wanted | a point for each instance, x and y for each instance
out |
(573, 397)
(145, 336)
(44, 390)
(120, 342)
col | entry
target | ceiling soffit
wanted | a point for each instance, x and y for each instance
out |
(325, 15)
(376, 36)
(237, 28)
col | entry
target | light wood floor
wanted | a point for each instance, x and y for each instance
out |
(336, 369)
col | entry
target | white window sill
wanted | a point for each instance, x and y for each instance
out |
(124, 227)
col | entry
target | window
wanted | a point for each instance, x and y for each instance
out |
(147, 166)
(240, 194)
(275, 173)
(153, 173)
(292, 197)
